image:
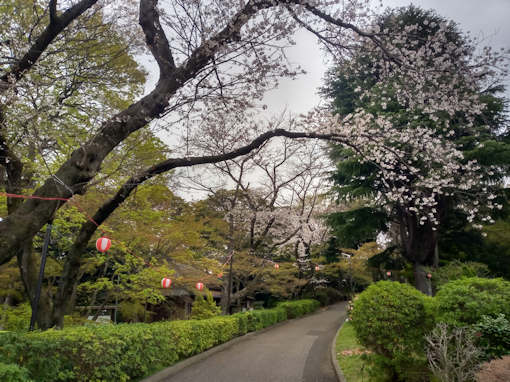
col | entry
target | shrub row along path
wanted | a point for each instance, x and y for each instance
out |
(295, 351)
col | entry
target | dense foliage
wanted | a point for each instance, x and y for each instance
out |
(465, 301)
(456, 270)
(129, 351)
(393, 320)
(13, 373)
(298, 308)
(494, 335)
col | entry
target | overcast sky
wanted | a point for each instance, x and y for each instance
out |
(487, 19)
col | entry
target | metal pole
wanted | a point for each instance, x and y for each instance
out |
(41, 276)
(116, 300)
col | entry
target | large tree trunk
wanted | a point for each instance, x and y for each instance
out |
(419, 242)
(84, 163)
(421, 282)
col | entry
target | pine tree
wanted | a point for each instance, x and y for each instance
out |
(204, 308)
(331, 251)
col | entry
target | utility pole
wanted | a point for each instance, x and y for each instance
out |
(41, 275)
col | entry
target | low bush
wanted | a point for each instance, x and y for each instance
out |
(494, 334)
(392, 319)
(13, 373)
(266, 317)
(127, 351)
(464, 302)
(16, 318)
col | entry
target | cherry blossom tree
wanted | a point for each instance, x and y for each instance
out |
(429, 105)
(276, 198)
(222, 56)
(208, 53)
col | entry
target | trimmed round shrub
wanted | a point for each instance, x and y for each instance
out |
(392, 319)
(464, 302)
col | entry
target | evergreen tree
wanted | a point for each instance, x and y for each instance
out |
(331, 251)
(204, 308)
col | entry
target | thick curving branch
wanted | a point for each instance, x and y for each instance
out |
(73, 262)
(85, 161)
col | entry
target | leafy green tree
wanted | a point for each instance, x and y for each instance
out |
(491, 246)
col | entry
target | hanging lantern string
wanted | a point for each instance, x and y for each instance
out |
(7, 195)
(81, 209)
(52, 198)
(103, 232)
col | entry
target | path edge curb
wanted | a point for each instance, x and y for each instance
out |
(171, 370)
(339, 374)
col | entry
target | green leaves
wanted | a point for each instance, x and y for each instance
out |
(204, 308)
(494, 335)
(465, 301)
(391, 319)
(357, 226)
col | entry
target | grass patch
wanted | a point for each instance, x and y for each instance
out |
(351, 357)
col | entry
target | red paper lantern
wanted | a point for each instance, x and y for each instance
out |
(388, 274)
(276, 266)
(199, 286)
(317, 268)
(165, 282)
(103, 244)
(429, 275)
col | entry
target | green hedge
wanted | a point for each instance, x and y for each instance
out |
(298, 308)
(129, 351)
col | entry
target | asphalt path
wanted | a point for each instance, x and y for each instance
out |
(296, 351)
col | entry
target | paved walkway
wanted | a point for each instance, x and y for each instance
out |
(297, 351)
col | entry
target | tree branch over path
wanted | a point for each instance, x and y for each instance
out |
(85, 162)
(72, 265)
